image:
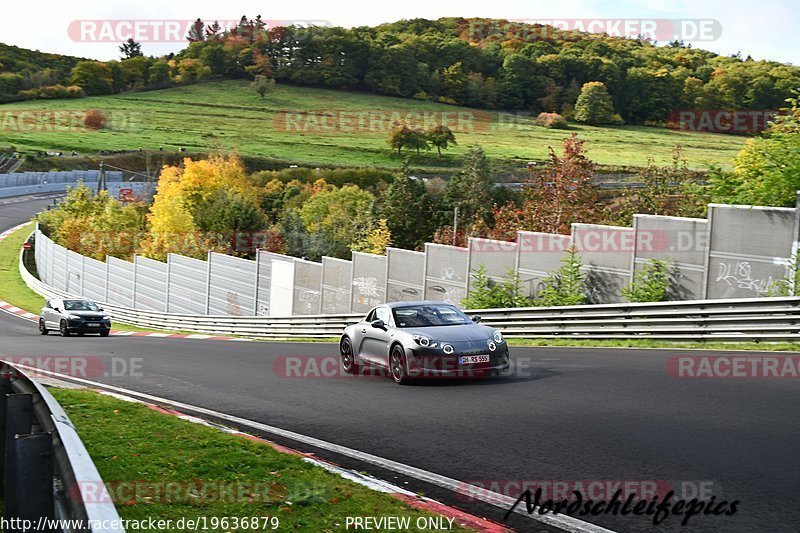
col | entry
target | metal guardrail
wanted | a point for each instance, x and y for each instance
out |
(50, 479)
(745, 319)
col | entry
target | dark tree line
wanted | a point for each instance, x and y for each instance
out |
(475, 62)
(494, 64)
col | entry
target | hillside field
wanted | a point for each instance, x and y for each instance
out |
(285, 125)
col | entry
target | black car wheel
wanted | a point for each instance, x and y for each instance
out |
(397, 365)
(349, 364)
(42, 327)
(104, 333)
(63, 329)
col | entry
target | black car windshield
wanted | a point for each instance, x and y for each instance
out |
(80, 305)
(424, 315)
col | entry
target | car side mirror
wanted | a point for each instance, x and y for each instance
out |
(378, 324)
(99, 309)
(56, 309)
(476, 318)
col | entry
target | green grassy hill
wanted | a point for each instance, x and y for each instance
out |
(230, 114)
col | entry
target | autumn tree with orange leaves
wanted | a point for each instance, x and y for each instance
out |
(556, 194)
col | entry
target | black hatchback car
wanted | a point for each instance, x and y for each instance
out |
(74, 316)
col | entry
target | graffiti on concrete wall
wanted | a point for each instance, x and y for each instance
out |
(739, 275)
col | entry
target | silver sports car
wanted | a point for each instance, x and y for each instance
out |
(423, 339)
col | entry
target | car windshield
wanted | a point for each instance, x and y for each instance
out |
(424, 315)
(80, 305)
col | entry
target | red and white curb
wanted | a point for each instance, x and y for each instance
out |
(9, 231)
(22, 313)
(412, 499)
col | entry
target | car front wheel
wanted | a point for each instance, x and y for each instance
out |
(349, 364)
(397, 365)
(42, 327)
(63, 329)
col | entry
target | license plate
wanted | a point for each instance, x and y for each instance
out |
(472, 359)
(94, 325)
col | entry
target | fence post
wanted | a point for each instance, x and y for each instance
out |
(169, 272)
(17, 418)
(424, 273)
(83, 274)
(258, 272)
(208, 281)
(135, 269)
(635, 226)
(707, 254)
(29, 481)
(105, 285)
(469, 264)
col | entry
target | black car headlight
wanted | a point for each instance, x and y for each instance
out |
(498, 337)
(447, 348)
(492, 346)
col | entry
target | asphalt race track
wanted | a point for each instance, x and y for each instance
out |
(568, 414)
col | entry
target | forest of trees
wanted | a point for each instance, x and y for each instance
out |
(475, 62)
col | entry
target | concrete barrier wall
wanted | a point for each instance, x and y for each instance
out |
(369, 281)
(749, 249)
(738, 252)
(405, 275)
(446, 273)
(607, 254)
(680, 241)
(538, 254)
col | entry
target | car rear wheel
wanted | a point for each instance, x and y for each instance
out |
(397, 365)
(63, 329)
(349, 364)
(42, 327)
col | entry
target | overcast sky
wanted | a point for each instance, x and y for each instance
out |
(766, 29)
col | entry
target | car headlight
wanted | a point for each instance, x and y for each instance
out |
(425, 342)
(446, 348)
(492, 346)
(498, 337)
(106, 318)
(73, 317)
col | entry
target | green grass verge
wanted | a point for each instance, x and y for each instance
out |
(230, 114)
(131, 444)
(12, 287)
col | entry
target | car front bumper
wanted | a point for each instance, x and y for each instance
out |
(82, 326)
(423, 364)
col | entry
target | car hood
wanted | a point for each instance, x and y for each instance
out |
(86, 314)
(465, 332)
